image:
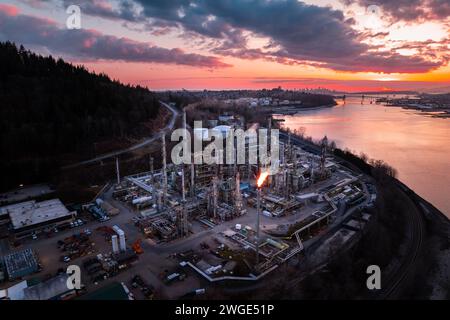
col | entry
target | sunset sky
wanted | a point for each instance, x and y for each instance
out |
(226, 44)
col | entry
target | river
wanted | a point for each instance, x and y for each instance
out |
(417, 145)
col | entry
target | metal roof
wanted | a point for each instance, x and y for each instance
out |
(28, 213)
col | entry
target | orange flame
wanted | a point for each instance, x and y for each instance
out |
(262, 177)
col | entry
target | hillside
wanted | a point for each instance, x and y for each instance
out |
(52, 110)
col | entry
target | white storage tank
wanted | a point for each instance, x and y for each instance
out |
(115, 244)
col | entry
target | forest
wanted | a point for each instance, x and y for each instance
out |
(52, 111)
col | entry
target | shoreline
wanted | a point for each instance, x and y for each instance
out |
(432, 112)
(437, 212)
(292, 110)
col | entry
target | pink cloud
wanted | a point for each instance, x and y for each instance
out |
(92, 45)
(9, 10)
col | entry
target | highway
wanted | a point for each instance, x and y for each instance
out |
(146, 142)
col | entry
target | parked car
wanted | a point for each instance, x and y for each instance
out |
(99, 277)
(137, 281)
(176, 276)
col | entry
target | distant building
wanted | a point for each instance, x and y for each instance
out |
(223, 129)
(265, 101)
(52, 289)
(226, 118)
(14, 292)
(253, 102)
(32, 216)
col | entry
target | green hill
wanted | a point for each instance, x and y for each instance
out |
(50, 109)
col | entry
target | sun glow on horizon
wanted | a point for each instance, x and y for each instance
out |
(228, 51)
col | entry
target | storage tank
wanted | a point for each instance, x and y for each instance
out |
(123, 245)
(115, 244)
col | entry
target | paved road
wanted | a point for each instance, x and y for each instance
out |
(146, 142)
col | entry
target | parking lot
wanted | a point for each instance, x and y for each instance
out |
(152, 266)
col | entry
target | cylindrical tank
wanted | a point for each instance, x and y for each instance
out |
(115, 244)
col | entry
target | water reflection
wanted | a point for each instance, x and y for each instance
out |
(417, 145)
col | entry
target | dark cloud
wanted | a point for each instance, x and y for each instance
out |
(92, 45)
(301, 29)
(123, 9)
(299, 33)
(409, 10)
(386, 62)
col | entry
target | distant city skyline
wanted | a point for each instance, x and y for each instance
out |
(341, 45)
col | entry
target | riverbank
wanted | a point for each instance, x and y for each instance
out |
(432, 112)
(423, 268)
(292, 110)
(415, 144)
(419, 267)
(436, 104)
(400, 239)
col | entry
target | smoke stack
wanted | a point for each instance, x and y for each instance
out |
(215, 195)
(121, 235)
(151, 168)
(164, 167)
(269, 134)
(192, 179)
(183, 190)
(258, 209)
(238, 196)
(289, 153)
(117, 170)
(152, 180)
(122, 244)
(159, 204)
(184, 150)
(259, 183)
